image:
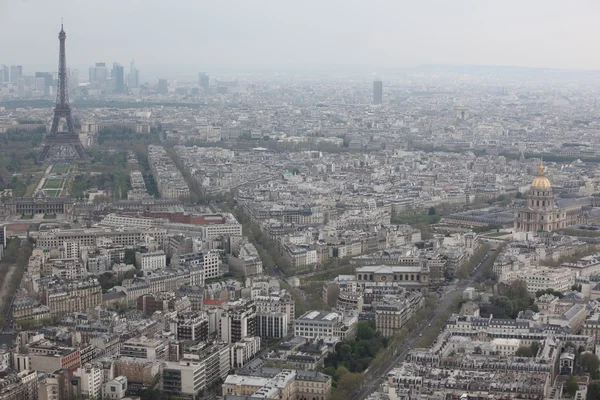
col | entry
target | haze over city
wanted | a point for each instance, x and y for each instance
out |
(186, 35)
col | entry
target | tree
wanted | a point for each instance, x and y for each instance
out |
(535, 347)
(345, 351)
(571, 387)
(364, 331)
(593, 391)
(431, 211)
(129, 256)
(524, 352)
(347, 385)
(590, 363)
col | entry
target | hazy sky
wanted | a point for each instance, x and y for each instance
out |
(199, 34)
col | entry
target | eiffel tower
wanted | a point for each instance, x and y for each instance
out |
(62, 146)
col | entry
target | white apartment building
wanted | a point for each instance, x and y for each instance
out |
(148, 349)
(281, 302)
(186, 377)
(272, 325)
(93, 237)
(315, 324)
(92, 379)
(311, 257)
(131, 222)
(542, 278)
(70, 249)
(148, 262)
(230, 228)
(212, 264)
(115, 389)
(209, 261)
(244, 351)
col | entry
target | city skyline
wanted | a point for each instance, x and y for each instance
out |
(236, 36)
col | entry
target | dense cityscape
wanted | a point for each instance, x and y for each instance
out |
(425, 233)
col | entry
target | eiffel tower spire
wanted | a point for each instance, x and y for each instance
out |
(62, 145)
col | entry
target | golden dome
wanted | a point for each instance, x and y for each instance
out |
(541, 182)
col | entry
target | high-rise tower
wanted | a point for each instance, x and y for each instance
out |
(62, 145)
(377, 92)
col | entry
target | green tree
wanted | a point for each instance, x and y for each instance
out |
(431, 211)
(364, 331)
(535, 347)
(590, 363)
(524, 352)
(130, 256)
(571, 387)
(593, 391)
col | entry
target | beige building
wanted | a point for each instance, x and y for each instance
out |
(392, 313)
(73, 297)
(286, 385)
(541, 212)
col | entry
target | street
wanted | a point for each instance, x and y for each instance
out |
(373, 377)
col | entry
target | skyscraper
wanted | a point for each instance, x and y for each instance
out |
(118, 74)
(74, 79)
(3, 74)
(21, 87)
(98, 73)
(377, 92)
(47, 76)
(163, 86)
(134, 76)
(16, 72)
(204, 81)
(40, 84)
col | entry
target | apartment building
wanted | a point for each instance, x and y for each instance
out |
(393, 312)
(317, 324)
(91, 379)
(94, 237)
(238, 321)
(143, 347)
(152, 261)
(115, 389)
(244, 351)
(281, 384)
(73, 297)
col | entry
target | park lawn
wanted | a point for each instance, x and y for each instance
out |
(53, 183)
(31, 188)
(497, 234)
(60, 169)
(49, 216)
(52, 192)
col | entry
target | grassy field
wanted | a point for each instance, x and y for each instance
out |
(53, 183)
(497, 234)
(33, 186)
(52, 192)
(60, 169)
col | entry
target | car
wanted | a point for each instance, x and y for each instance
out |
(429, 325)
(420, 334)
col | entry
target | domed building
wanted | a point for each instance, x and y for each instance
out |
(541, 212)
